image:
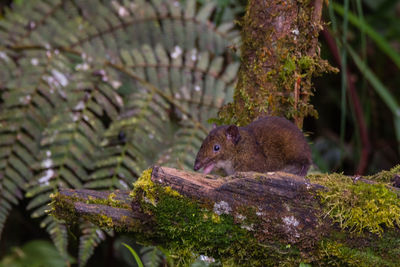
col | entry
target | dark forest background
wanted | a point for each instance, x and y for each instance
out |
(357, 130)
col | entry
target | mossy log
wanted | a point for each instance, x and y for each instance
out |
(248, 218)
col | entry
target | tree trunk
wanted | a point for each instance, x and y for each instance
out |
(280, 55)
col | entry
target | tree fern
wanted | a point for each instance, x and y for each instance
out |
(93, 92)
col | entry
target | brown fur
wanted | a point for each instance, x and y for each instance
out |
(267, 144)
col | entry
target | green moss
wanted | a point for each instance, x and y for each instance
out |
(110, 201)
(358, 206)
(386, 176)
(145, 185)
(187, 229)
(191, 229)
(171, 192)
(395, 169)
(334, 253)
(105, 221)
(62, 207)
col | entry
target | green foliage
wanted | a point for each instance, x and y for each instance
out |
(93, 92)
(134, 254)
(380, 41)
(382, 251)
(91, 237)
(371, 90)
(381, 90)
(35, 253)
(385, 46)
(151, 256)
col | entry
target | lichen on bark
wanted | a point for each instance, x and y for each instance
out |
(252, 219)
(187, 228)
(280, 55)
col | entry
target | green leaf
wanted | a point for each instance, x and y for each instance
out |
(135, 255)
(35, 253)
(93, 92)
(380, 89)
(381, 42)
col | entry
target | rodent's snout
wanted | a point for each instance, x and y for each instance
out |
(196, 166)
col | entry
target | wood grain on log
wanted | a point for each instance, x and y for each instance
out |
(280, 213)
(284, 203)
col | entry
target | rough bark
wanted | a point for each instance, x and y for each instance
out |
(280, 55)
(285, 202)
(275, 209)
(277, 196)
(72, 204)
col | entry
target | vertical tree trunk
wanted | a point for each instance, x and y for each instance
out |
(280, 55)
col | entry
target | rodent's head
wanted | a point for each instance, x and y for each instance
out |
(218, 149)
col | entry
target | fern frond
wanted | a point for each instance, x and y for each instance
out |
(188, 86)
(68, 146)
(195, 83)
(91, 237)
(58, 234)
(93, 92)
(30, 96)
(187, 141)
(165, 22)
(107, 27)
(151, 256)
(129, 141)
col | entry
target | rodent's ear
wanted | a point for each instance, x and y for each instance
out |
(214, 126)
(232, 133)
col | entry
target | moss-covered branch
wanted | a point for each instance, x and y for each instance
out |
(251, 218)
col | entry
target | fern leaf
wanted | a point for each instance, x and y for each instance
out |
(91, 237)
(205, 12)
(92, 92)
(58, 233)
(151, 256)
(187, 141)
(67, 148)
(28, 105)
(119, 165)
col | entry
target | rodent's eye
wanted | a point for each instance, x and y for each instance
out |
(216, 148)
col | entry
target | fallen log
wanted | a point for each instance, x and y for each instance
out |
(263, 219)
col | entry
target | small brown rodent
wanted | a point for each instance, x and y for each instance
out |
(267, 144)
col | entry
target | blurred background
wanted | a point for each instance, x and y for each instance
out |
(93, 92)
